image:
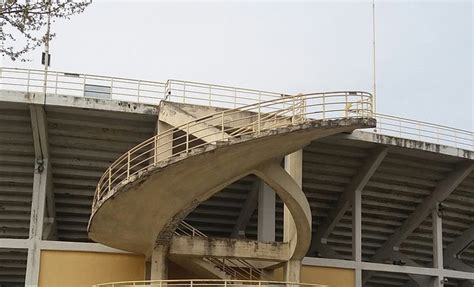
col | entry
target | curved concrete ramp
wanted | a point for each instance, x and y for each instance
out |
(145, 208)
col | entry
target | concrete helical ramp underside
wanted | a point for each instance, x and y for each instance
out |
(144, 210)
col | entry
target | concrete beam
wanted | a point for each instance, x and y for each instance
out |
(381, 267)
(14, 243)
(439, 194)
(246, 212)
(229, 248)
(361, 135)
(357, 184)
(77, 102)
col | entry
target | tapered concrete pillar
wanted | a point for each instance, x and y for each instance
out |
(294, 167)
(159, 264)
(164, 145)
(266, 213)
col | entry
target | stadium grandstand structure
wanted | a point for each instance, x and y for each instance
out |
(239, 185)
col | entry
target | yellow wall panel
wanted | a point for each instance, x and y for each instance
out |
(333, 277)
(81, 269)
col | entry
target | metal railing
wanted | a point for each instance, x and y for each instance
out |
(423, 131)
(204, 94)
(236, 268)
(188, 92)
(208, 283)
(250, 120)
(82, 85)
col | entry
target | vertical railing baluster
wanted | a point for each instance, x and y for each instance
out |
(187, 138)
(111, 87)
(155, 149)
(138, 90)
(128, 164)
(324, 106)
(235, 98)
(222, 125)
(258, 119)
(110, 178)
(184, 92)
(209, 95)
(56, 86)
(28, 82)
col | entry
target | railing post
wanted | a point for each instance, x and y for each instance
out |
(346, 107)
(56, 85)
(258, 119)
(235, 98)
(28, 82)
(84, 86)
(187, 138)
(222, 123)
(128, 164)
(184, 92)
(138, 90)
(155, 150)
(209, 95)
(110, 178)
(112, 88)
(293, 111)
(324, 106)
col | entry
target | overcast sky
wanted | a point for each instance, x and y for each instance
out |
(424, 49)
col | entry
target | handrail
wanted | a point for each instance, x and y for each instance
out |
(208, 282)
(236, 268)
(222, 126)
(189, 92)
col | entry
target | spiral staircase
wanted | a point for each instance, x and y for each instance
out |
(143, 197)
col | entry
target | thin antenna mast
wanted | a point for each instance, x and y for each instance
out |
(374, 100)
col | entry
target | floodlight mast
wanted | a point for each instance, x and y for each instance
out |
(374, 98)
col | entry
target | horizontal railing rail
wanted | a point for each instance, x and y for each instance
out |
(82, 85)
(235, 267)
(223, 126)
(208, 282)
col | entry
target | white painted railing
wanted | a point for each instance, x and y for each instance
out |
(208, 283)
(82, 85)
(223, 126)
(423, 131)
(188, 92)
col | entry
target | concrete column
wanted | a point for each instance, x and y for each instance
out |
(294, 167)
(357, 233)
(266, 213)
(38, 203)
(165, 144)
(437, 245)
(159, 264)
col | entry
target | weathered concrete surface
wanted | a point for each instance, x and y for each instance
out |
(201, 268)
(295, 200)
(409, 144)
(148, 207)
(229, 248)
(177, 115)
(77, 102)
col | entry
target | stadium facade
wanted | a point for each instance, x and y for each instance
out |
(116, 180)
